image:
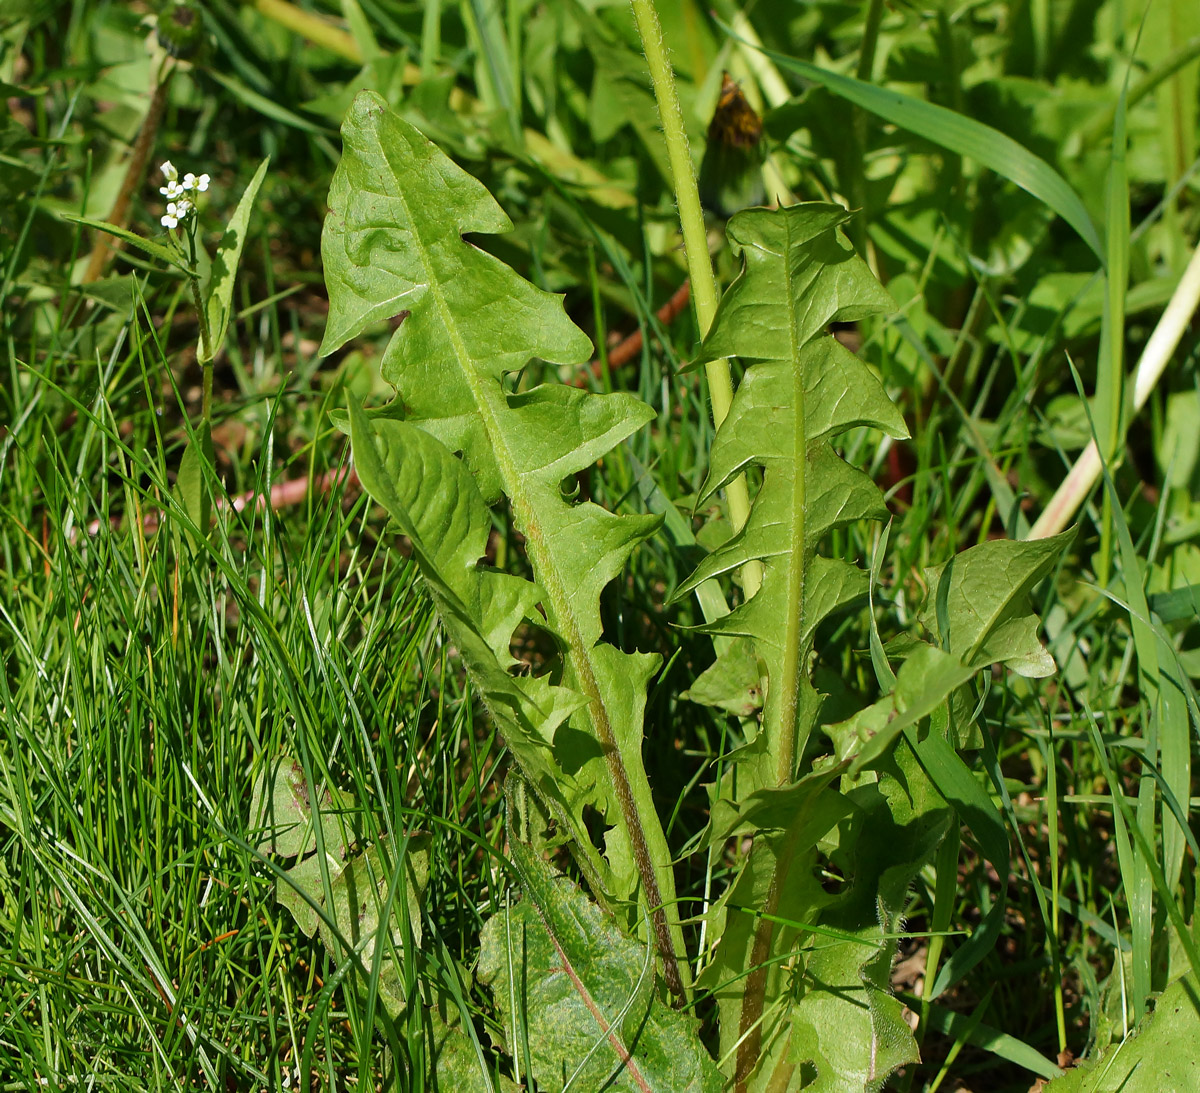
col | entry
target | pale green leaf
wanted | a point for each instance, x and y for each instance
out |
(223, 272)
(281, 811)
(456, 1060)
(361, 912)
(985, 591)
(448, 528)
(350, 912)
(733, 683)
(925, 680)
(190, 488)
(585, 992)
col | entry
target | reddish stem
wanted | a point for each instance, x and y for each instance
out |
(628, 348)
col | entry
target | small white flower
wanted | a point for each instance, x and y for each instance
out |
(176, 211)
(191, 182)
(179, 204)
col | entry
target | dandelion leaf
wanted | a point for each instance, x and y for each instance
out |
(393, 245)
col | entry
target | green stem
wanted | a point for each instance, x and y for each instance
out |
(783, 718)
(206, 354)
(856, 182)
(431, 36)
(871, 25)
(1110, 367)
(695, 244)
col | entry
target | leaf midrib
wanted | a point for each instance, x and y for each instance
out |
(787, 731)
(797, 558)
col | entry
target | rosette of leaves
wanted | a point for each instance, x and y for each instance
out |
(458, 438)
(803, 389)
(800, 969)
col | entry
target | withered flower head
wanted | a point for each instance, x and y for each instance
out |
(731, 171)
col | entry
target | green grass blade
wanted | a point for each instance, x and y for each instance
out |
(959, 134)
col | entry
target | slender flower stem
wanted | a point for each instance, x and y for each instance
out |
(866, 56)
(856, 181)
(695, 242)
(205, 351)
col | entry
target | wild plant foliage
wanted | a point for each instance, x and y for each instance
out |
(838, 818)
(799, 276)
(393, 242)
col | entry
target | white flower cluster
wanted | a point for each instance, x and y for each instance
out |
(177, 193)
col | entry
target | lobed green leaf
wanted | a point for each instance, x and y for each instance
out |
(804, 388)
(393, 244)
(799, 276)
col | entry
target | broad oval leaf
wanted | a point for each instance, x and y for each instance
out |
(585, 993)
